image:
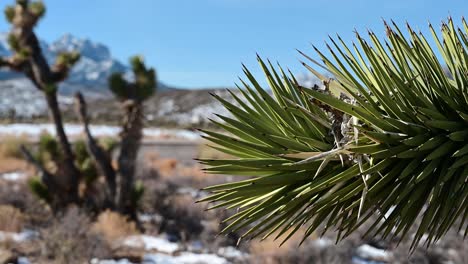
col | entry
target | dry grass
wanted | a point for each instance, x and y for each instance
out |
(269, 249)
(11, 158)
(69, 240)
(10, 146)
(14, 164)
(11, 219)
(184, 175)
(207, 152)
(113, 226)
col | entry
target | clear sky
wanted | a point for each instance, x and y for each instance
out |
(202, 43)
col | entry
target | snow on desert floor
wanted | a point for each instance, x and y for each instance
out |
(34, 130)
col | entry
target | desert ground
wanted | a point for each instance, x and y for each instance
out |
(171, 227)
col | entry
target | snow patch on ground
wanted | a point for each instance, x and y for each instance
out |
(184, 258)
(34, 130)
(23, 260)
(232, 253)
(322, 242)
(145, 218)
(151, 243)
(23, 236)
(109, 261)
(369, 253)
(13, 176)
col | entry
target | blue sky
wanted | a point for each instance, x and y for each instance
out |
(202, 43)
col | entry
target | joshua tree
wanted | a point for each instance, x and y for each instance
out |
(386, 137)
(132, 96)
(28, 59)
(125, 195)
(65, 167)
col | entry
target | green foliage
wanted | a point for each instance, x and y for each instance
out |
(48, 147)
(108, 144)
(13, 42)
(137, 193)
(144, 86)
(387, 136)
(9, 13)
(37, 8)
(24, 53)
(118, 85)
(67, 59)
(22, 3)
(50, 88)
(88, 170)
(80, 150)
(137, 64)
(39, 189)
(84, 162)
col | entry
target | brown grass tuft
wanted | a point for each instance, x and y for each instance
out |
(14, 164)
(113, 226)
(11, 219)
(10, 146)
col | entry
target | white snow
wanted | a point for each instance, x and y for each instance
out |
(13, 176)
(184, 258)
(371, 253)
(109, 261)
(144, 218)
(23, 260)
(322, 242)
(25, 235)
(151, 243)
(34, 130)
(231, 253)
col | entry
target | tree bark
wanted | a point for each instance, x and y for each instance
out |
(71, 177)
(46, 177)
(130, 143)
(100, 156)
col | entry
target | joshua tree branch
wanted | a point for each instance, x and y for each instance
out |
(130, 143)
(29, 59)
(100, 156)
(46, 177)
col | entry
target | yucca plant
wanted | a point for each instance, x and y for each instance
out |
(384, 141)
(69, 172)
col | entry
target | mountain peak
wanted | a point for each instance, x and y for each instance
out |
(87, 48)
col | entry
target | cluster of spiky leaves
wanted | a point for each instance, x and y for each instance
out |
(387, 137)
(24, 16)
(16, 14)
(142, 88)
(50, 157)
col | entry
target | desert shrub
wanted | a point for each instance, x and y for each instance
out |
(185, 175)
(35, 213)
(181, 217)
(11, 219)
(307, 253)
(112, 226)
(69, 240)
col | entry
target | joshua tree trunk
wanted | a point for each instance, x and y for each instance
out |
(100, 156)
(28, 58)
(60, 186)
(131, 137)
(70, 183)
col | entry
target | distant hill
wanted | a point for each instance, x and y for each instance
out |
(89, 75)
(20, 100)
